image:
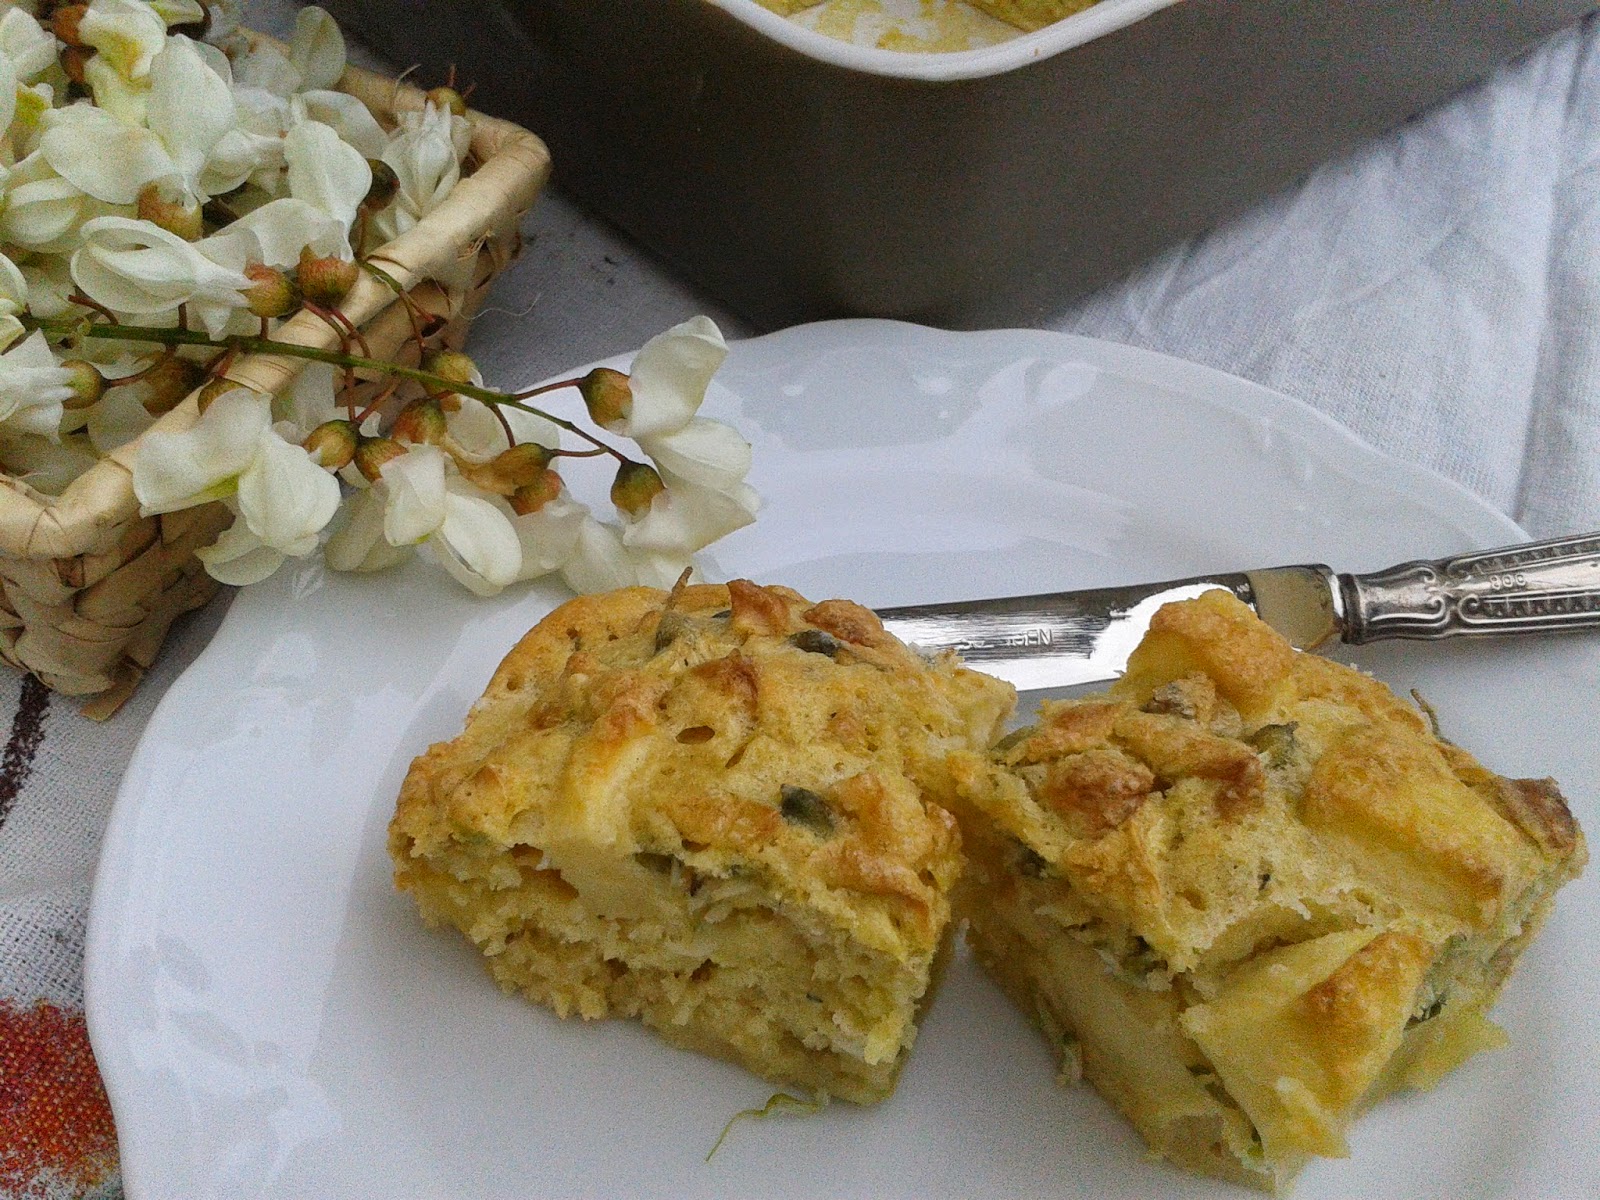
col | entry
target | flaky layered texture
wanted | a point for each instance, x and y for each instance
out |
(723, 811)
(1248, 892)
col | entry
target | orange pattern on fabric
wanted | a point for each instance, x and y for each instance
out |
(55, 1121)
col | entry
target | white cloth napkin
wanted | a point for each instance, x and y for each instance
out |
(1438, 292)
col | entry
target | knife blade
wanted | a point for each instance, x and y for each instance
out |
(1064, 639)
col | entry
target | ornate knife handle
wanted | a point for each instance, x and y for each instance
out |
(1535, 588)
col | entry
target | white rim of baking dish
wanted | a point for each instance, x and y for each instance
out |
(1097, 21)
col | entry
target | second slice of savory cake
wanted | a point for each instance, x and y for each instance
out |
(1249, 892)
(721, 810)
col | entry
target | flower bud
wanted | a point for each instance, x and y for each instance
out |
(215, 387)
(607, 395)
(87, 384)
(449, 99)
(530, 498)
(326, 281)
(64, 23)
(385, 183)
(372, 453)
(274, 293)
(172, 215)
(74, 60)
(634, 487)
(450, 364)
(511, 469)
(334, 443)
(168, 380)
(419, 421)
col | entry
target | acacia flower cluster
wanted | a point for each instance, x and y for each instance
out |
(170, 190)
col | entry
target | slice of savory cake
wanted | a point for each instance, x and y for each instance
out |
(1248, 892)
(721, 810)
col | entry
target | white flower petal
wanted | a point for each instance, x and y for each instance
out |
(128, 33)
(13, 287)
(317, 48)
(266, 67)
(477, 545)
(348, 117)
(599, 562)
(659, 570)
(669, 376)
(357, 543)
(285, 497)
(32, 388)
(426, 161)
(123, 98)
(101, 156)
(179, 12)
(416, 503)
(189, 109)
(326, 172)
(275, 234)
(179, 470)
(117, 419)
(549, 537)
(136, 267)
(310, 399)
(8, 92)
(238, 557)
(28, 47)
(238, 155)
(688, 517)
(704, 451)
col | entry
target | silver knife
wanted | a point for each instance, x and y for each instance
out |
(1068, 638)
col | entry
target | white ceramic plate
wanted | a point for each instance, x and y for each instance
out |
(272, 1020)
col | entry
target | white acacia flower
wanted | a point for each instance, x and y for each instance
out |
(357, 542)
(345, 115)
(100, 155)
(134, 267)
(471, 537)
(284, 498)
(115, 93)
(32, 388)
(180, 12)
(27, 45)
(317, 49)
(13, 300)
(600, 562)
(266, 67)
(702, 462)
(251, 151)
(549, 537)
(127, 33)
(44, 211)
(326, 172)
(669, 377)
(425, 156)
(190, 108)
(687, 517)
(111, 153)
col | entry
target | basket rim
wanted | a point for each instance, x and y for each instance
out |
(513, 166)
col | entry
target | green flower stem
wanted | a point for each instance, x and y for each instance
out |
(246, 343)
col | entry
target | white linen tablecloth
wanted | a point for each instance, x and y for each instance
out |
(1437, 291)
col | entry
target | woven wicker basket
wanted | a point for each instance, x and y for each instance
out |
(88, 587)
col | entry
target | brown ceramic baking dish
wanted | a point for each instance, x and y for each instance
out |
(796, 177)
